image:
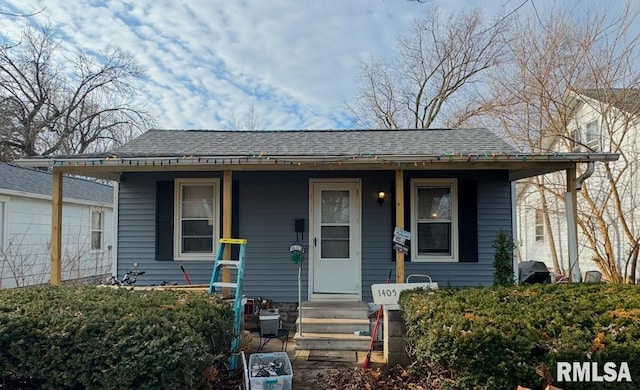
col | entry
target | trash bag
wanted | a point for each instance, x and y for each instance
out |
(533, 272)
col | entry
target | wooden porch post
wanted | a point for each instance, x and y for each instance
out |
(399, 222)
(571, 203)
(56, 228)
(226, 223)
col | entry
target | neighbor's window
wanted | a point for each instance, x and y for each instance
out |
(576, 141)
(434, 220)
(539, 225)
(196, 218)
(3, 220)
(97, 228)
(593, 135)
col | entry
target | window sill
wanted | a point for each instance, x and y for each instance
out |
(206, 257)
(434, 260)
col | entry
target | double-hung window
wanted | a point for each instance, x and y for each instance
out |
(593, 135)
(97, 229)
(434, 220)
(539, 225)
(197, 218)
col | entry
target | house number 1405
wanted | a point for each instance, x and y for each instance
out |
(388, 293)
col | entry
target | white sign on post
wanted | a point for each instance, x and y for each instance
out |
(400, 233)
(389, 293)
(400, 237)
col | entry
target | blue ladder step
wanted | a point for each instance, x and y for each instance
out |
(224, 284)
(229, 263)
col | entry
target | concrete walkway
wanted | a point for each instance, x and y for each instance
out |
(311, 367)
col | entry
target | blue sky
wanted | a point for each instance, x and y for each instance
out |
(210, 61)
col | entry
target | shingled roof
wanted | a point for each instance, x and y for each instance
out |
(180, 150)
(626, 99)
(156, 143)
(33, 181)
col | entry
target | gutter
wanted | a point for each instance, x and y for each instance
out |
(32, 195)
(115, 161)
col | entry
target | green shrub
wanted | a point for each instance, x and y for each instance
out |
(503, 260)
(88, 337)
(498, 339)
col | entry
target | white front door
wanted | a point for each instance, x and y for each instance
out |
(335, 229)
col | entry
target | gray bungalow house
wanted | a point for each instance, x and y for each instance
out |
(180, 191)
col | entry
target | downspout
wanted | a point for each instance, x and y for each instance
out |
(113, 250)
(585, 175)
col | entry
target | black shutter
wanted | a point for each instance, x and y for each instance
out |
(407, 217)
(164, 220)
(468, 221)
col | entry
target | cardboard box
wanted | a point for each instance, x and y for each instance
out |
(275, 362)
(269, 322)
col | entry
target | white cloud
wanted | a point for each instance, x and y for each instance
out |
(207, 60)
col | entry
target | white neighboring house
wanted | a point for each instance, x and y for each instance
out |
(599, 120)
(25, 227)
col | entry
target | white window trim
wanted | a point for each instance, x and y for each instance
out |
(177, 231)
(101, 211)
(453, 184)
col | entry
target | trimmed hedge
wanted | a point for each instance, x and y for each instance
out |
(91, 337)
(498, 339)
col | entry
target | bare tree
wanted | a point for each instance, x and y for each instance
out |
(559, 61)
(52, 105)
(21, 264)
(247, 121)
(435, 67)
(25, 261)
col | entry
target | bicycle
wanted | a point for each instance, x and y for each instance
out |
(128, 278)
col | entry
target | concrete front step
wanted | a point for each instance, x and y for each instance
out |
(355, 310)
(333, 325)
(333, 341)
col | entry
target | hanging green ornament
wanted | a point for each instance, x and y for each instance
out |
(296, 253)
(296, 257)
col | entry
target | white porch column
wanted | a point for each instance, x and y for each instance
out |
(571, 205)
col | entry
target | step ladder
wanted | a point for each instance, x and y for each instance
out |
(217, 284)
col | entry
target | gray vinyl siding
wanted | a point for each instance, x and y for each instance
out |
(136, 231)
(269, 202)
(494, 213)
